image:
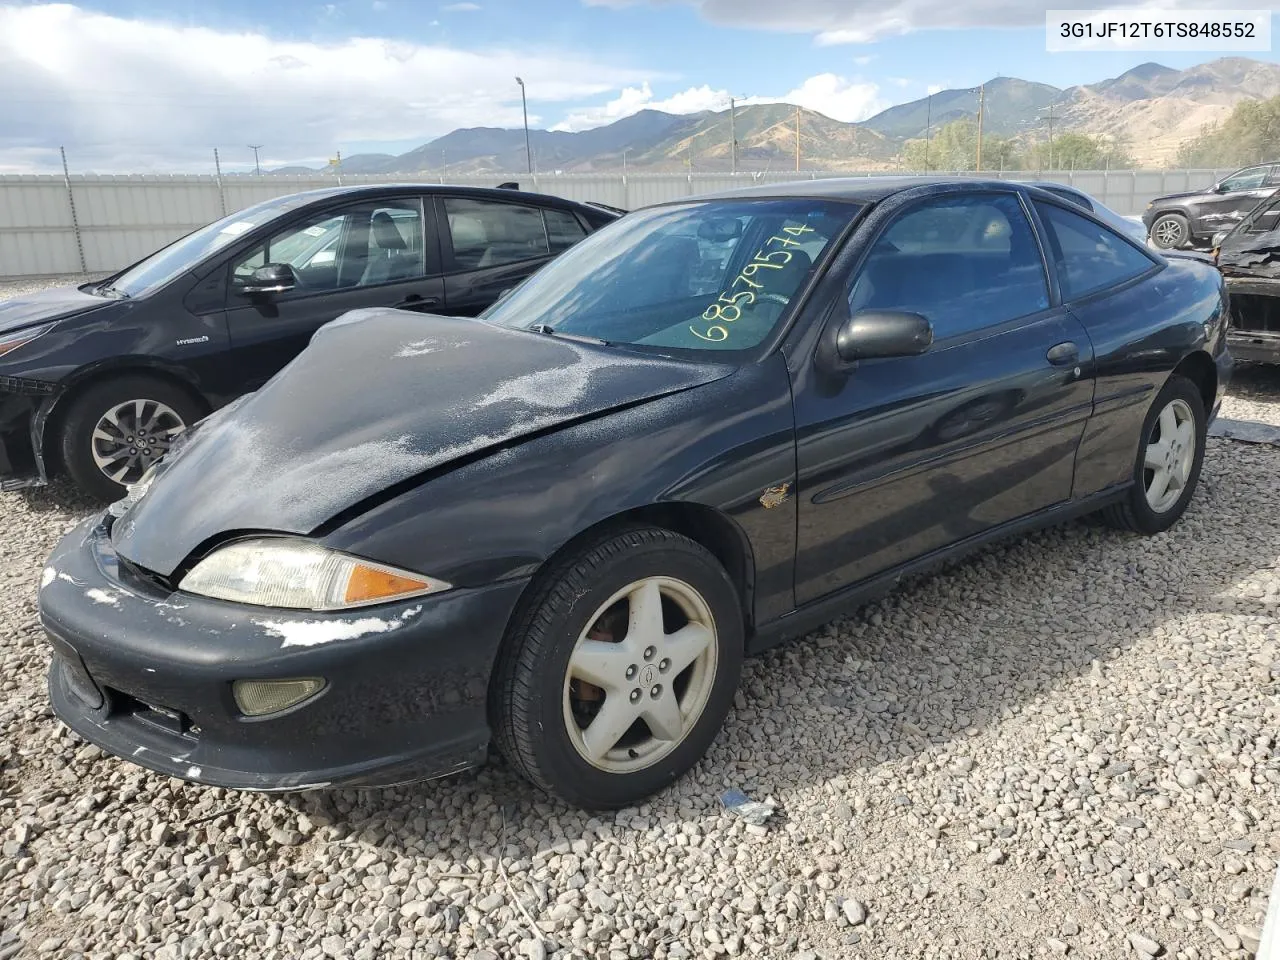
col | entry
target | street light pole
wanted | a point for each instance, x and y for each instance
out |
(733, 135)
(255, 147)
(524, 105)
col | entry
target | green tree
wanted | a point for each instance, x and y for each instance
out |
(954, 146)
(1078, 151)
(1249, 135)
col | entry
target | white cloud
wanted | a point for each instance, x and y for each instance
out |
(863, 60)
(378, 6)
(901, 81)
(138, 95)
(862, 21)
(460, 8)
(935, 88)
(827, 93)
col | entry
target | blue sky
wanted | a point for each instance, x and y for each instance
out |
(116, 80)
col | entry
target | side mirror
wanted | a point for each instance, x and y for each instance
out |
(883, 333)
(273, 278)
(1219, 188)
(1218, 238)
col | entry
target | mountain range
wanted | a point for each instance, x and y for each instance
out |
(1150, 110)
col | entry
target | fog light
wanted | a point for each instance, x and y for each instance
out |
(257, 698)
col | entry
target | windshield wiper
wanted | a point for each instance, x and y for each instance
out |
(550, 331)
(106, 290)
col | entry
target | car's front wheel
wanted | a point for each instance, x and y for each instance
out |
(114, 430)
(618, 672)
(1168, 463)
(1170, 231)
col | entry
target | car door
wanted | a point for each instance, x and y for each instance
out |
(1235, 196)
(373, 253)
(1100, 275)
(490, 246)
(899, 457)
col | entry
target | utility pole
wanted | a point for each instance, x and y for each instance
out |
(797, 139)
(1050, 136)
(524, 105)
(982, 102)
(624, 165)
(255, 147)
(928, 130)
(733, 135)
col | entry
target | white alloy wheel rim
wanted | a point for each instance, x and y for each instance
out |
(1170, 454)
(640, 675)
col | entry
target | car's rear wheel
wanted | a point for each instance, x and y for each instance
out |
(1168, 463)
(618, 672)
(114, 430)
(1170, 231)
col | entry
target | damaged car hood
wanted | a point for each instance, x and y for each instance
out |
(379, 397)
(32, 308)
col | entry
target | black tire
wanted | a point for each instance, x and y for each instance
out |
(527, 714)
(1134, 513)
(1170, 231)
(86, 408)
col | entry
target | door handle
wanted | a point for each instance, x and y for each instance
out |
(1063, 354)
(417, 300)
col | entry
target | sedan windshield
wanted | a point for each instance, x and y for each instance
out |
(711, 275)
(166, 263)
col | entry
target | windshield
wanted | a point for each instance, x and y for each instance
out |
(168, 262)
(712, 275)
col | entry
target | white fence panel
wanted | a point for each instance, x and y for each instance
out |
(120, 219)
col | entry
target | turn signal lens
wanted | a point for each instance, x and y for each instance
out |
(300, 575)
(257, 698)
(371, 584)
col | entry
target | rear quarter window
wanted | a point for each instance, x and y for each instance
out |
(1089, 257)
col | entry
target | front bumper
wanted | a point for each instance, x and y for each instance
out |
(147, 675)
(21, 459)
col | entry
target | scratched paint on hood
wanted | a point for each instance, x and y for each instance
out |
(352, 415)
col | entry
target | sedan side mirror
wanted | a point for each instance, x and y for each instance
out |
(1219, 188)
(883, 333)
(273, 278)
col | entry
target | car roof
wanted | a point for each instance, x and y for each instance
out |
(869, 189)
(395, 189)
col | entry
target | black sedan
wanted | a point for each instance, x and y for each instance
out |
(711, 426)
(97, 380)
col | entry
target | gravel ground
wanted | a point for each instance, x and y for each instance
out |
(1063, 745)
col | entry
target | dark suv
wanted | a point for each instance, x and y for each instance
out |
(97, 380)
(1183, 219)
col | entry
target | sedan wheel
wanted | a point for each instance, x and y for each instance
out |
(619, 667)
(633, 691)
(133, 435)
(1170, 454)
(115, 429)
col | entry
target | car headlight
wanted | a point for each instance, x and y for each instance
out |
(12, 341)
(280, 572)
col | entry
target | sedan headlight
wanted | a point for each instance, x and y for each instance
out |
(279, 572)
(12, 341)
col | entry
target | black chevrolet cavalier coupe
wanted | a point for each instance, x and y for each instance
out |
(708, 427)
(97, 380)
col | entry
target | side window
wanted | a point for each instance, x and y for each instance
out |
(563, 229)
(1089, 256)
(1273, 176)
(489, 233)
(361, 246)
(1249, 179)
(963, 262)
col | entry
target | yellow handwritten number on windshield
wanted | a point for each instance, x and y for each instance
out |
(726, 308)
